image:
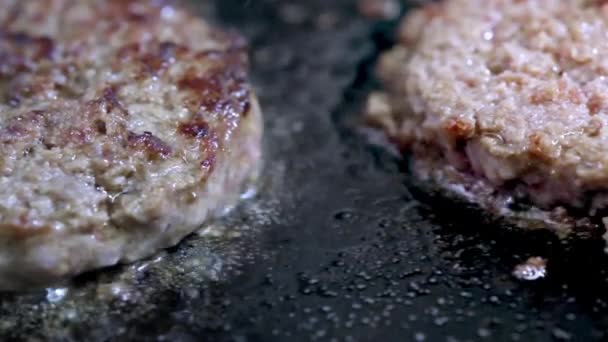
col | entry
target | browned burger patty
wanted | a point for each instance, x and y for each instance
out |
(124, 126)
(503, 99)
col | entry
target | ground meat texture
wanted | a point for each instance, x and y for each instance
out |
(124, 126)
(513, 94)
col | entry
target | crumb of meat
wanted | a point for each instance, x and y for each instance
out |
(533, 269)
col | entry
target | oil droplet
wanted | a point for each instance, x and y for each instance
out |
(344, 215)
(55, 295)
(561, 335)
(419, 337)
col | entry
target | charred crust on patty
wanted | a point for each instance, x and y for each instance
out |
(20, 52)
(221, 89)
(153, 57)
(152, 146)
(28, 46)
(197, 129)
(100, 126)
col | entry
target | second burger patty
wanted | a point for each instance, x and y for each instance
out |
(503, 95)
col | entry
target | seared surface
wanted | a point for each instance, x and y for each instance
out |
(124, 125)
(513, 92)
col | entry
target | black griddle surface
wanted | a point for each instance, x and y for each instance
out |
(339, 245)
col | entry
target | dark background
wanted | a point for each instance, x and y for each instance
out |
(339, 245)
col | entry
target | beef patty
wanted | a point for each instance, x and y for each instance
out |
(124, 126)
(503, 100)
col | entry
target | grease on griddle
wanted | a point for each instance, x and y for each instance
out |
(54, 295)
